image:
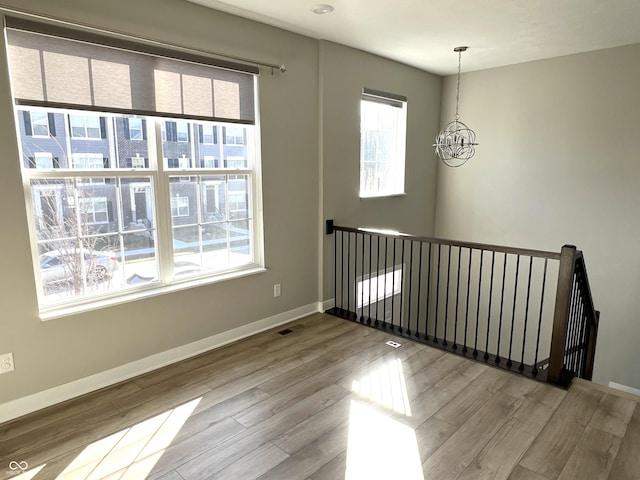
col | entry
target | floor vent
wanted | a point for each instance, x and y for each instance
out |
(286, 331)
(393, 344)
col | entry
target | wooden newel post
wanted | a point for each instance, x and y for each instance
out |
(561, 313)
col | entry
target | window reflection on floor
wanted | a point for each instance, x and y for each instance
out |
(375, 436)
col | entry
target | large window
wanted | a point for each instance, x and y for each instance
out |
(383, 120)
(112, 210)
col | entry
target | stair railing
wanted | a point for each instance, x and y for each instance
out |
(485, 302)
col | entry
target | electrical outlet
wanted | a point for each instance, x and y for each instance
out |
(277, 291)
(6, 363)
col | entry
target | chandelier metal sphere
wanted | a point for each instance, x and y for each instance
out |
(455, 144)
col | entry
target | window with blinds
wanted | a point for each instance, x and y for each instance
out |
(119, 145)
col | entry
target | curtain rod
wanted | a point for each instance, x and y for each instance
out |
(33, 15)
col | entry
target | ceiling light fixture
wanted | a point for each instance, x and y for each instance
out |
(455, 144)
(322, 8)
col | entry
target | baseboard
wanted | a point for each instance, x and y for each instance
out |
(327, 304)
(37, 401)
(624, 388)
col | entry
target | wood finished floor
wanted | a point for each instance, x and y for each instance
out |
(329, 401)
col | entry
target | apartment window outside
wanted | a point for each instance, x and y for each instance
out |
(43, 159)
(208, 134)
(87, 127)
(135, 129)
(209, 161)
(94, 209)
(383, 120)
(182, 129)
(101, 230)
(179, 206)
(137, 162)
(234, 135)
(40, 124)
(87, 160)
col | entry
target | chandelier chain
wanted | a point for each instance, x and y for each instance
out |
(457, 115)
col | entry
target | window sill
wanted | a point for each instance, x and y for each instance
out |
(383, 195)
(51, 313)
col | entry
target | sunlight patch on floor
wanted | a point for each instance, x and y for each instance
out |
(380, 447)
(29, 474)
(385, 386)
(130, 453)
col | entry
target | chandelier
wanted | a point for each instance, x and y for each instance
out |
(455, 144)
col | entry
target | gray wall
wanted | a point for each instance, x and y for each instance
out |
(310, 163)
(343, 73)
(66, 349)
(558, 164)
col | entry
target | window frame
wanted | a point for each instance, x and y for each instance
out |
(374, 102)
(95, 120)
(94, 174)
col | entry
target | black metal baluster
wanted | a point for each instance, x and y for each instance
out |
(466, 315)
(370, 275)
(504, 278)
(410, 282)
(526, 315)
(393, 283)
(417, 332)
(578, 331)
(355, 277)
(401, 287)
(349, 274)
(475, 343)
(446, 305)
(582, 343)
(544, 281)
(573, 319)
(384, 291)
(361, 281)
(513, 314)
(435, 330)
(426, 321)
(574, 324)
(455, 332)
(342, 310)
(335, 271)
(486, 347)
(378, 284)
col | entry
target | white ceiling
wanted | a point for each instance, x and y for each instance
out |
(423, 33)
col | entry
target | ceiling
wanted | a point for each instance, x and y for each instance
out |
(423, 33)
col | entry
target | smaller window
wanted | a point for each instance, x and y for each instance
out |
(383, 124)
(234, 135)
(137, 162)
(135, 129)
(94, 210)
(182, 129)
(87, 160)
(235, 162)
(85, 127)
(208, 135)
(179, 206)
(40, 124)
(43, 159)
(209, 162)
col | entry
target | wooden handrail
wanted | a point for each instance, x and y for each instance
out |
(455, 243)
